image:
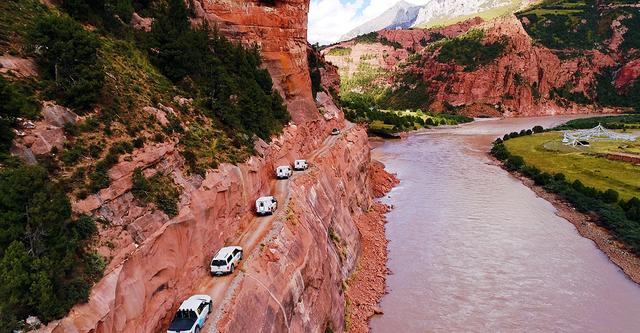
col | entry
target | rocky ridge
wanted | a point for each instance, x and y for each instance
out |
(527, 79)
(297, 263)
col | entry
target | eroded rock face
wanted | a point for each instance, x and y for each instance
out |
(279, 28)
(306, 257)
(524, 81)
(12, 66)
(519, 83)
(628, 74)
(40, 137)
(306, 261)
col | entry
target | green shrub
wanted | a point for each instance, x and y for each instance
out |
(41, 247)
(468, 50)
(234, 89)
(14, 103)
(67, 57)
(339, 51)
(158, 189)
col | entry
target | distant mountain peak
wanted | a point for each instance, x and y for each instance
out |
(404, 15)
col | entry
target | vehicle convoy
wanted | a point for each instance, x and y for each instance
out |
(284, 172)
(226, 260)
(191, 315)
(335, 131)
(266, 205)
(300, 165)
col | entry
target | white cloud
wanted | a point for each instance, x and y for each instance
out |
(330, 19)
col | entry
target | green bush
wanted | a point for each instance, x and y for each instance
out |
(67, 57)
(14, 103)
(41, 248)
(468, 50)
(234, 89)
(111, 15)
(158, 189)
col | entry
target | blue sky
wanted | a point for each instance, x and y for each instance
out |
(330, 19)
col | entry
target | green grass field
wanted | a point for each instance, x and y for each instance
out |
(546, 152)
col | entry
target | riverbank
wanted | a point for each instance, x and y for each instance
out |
(617, 252)
(367, 285)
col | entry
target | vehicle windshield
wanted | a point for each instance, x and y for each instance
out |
(183, 321)
(218, 263)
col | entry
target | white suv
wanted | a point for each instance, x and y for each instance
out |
(266, 206)
(284, 172)
(226, 260)
(300, 165)
(191, 315)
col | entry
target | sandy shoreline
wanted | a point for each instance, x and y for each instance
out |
(366, 287)
(587, 228)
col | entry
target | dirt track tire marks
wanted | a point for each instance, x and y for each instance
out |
(222, 289)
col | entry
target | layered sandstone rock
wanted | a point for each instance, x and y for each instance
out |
(519, 83)
(279, 28)
(309, 252)
(524, 81)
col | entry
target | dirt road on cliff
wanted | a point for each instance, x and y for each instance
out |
(222, 289)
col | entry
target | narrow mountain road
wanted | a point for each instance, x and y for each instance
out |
(221, 289)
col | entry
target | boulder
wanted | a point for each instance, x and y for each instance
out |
(58, 115)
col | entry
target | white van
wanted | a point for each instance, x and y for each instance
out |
(226, 260)
(191, 315)
(283, 172)
(300, 165)
(266, 205)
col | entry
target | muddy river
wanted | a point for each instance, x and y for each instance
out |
(474, 250)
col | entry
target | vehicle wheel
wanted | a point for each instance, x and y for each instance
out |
(232, 268)
(241, 254)
(210, 306)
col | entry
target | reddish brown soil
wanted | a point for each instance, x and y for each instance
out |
(367, 285)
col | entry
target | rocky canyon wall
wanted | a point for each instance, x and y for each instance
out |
(279, 28)
(306, 254)
(526, 79)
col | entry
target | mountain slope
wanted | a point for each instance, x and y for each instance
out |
(436, 12)
(402, 15)
(555, 58)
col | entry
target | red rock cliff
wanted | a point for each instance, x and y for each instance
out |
(279, 27)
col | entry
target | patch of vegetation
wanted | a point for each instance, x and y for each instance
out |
(576, 24)
(361, 108)
(99, 178)
(158, 189)
(369, 38)
(315, 64)
(111, 15)
(205, 148)
(392, 43)
(470, 51)
(43, 261)
(14, 103)
(546, 152)
(68, 59)
(621, 217)
(609, 95)
(610, 122)
(16, 19)
(339, 51)
(226, 77)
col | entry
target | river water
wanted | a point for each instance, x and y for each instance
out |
(474, 250)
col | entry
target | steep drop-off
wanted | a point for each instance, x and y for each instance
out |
(279, 28)
(297, 263)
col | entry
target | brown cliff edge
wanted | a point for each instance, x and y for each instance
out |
(366, 287)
